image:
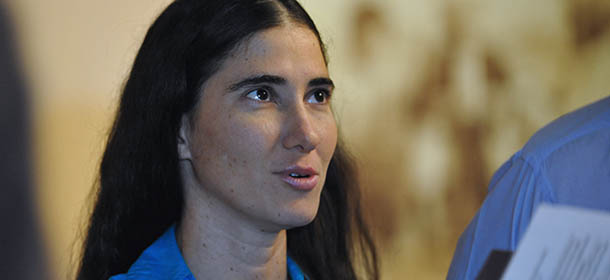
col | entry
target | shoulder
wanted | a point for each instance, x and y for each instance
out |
(573, 155)
(565, 162)
(161, 260)
(573, 128)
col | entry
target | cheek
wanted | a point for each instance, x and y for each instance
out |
(329, 139)
(237, 140)
(254, 136)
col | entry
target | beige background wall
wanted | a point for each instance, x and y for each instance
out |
(433, 95)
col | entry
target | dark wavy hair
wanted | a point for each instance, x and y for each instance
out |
(139, 192)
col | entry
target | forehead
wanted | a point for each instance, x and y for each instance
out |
(282, 50)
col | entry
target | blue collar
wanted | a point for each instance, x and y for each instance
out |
(163, 260)
(294, 271)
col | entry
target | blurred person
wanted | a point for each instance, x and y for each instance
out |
(567, 162)
(20, 239)
(224, 161)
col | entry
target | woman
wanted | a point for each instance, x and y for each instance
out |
(223, 161)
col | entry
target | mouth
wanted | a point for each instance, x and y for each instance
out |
(300, 178)
(297, 175)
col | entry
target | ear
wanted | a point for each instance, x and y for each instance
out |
(184, 152)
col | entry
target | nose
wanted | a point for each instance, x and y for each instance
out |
(300, 131)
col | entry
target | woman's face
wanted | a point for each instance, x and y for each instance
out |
(263, 133)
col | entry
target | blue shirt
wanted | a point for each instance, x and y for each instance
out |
(566, 162)
(163, 260)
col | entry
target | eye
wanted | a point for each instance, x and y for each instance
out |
(319, 96)
(259, 94)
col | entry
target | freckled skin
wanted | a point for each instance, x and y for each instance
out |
(237, 142)
(233, 148)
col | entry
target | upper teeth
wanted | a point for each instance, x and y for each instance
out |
(295, 175)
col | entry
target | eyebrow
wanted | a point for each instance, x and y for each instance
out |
(321, 82)
(272, 79)
(262, 79)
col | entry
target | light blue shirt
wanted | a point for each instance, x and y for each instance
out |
(567, 162)
(163, 261)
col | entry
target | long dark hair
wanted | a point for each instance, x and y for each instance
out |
(139, 193)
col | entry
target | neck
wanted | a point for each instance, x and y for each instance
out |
(219, 244)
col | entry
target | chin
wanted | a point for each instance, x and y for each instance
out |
(298, 217)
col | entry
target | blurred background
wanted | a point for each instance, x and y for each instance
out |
(432, 96)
